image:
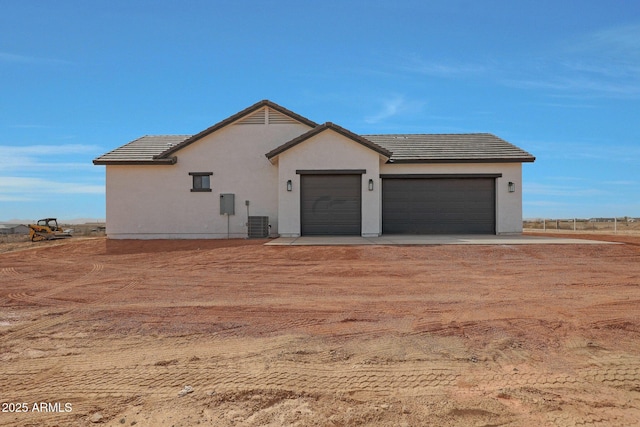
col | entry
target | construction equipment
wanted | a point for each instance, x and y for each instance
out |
(47, 229)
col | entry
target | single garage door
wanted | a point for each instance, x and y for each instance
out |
(330, 204)
(438, 206)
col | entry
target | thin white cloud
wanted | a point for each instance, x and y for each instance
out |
(566, 105)
(33, 166)
(605, 63)
(393, 106)
(46, 150)
(13, 58)
(415, 63)
(544, 203)
(14, 198)
(36, 159)
(596, 67)
(553, 190)
(390, 108)
(605, 151)
(14, 188)
(28, 126)
(621, 182)
(449, 70)
(561, 178)
(620, 41)
(569, 84)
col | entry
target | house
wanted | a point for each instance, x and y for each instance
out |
(14, 229)
(270, 169)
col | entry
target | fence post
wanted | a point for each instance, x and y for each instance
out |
(544, 224)
(615, 225)
(574, 224)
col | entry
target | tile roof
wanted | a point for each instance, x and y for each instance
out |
(143, 150)
(399, 148)
(443, 148)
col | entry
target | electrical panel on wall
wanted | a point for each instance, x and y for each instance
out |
(227, 204)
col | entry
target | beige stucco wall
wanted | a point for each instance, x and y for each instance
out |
(146, 202)
(327, 150)
(508, 205)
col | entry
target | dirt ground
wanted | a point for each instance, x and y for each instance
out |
(102, 332)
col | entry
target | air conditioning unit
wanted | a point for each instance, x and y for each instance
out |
(258, 227)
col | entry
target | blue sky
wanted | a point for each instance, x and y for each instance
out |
(560, 79)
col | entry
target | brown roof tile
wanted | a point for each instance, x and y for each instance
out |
(456, 148)
(399, 148)
(142, 151)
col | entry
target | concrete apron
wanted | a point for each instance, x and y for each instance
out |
(430, 240)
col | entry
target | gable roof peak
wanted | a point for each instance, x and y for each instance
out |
(321, 128)
(233, 118)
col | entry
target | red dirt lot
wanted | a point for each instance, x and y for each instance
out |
(103, 332)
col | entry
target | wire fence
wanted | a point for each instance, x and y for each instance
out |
(623, 225)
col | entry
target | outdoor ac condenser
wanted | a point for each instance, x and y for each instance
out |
(258, 227)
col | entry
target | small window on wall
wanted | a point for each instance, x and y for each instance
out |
(201, 181)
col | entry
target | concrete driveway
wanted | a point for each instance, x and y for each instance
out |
(430, 240)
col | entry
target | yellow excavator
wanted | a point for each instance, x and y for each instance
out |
(47, 229)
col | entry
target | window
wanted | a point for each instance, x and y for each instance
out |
(201, 181)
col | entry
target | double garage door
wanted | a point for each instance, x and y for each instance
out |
(438, 205)
(331, 204)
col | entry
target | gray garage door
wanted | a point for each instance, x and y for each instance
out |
(438, 206)
(330, 204)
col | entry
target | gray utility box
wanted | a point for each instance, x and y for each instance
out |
(258, 227)
(227, 204)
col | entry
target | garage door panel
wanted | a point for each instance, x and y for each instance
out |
(438, 206)
(330, 204)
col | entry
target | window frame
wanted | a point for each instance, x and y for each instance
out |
(198, 176)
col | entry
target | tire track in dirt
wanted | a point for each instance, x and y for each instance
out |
(38, 300)
(37, 418)
(10, 271)
(95, 269)
(34, 276)
(619, 376)
(358, 382)
(60, 317)
(617, 372)
(44, 298)
(381, 382)
(231, 366)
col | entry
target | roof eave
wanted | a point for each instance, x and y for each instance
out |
(480, 160)
(166, 161)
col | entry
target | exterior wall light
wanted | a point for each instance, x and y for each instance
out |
(511, 187)
(289, 185)
(370, 185)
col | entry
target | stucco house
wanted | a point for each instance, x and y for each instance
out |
(270, 171)
(14, 229)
